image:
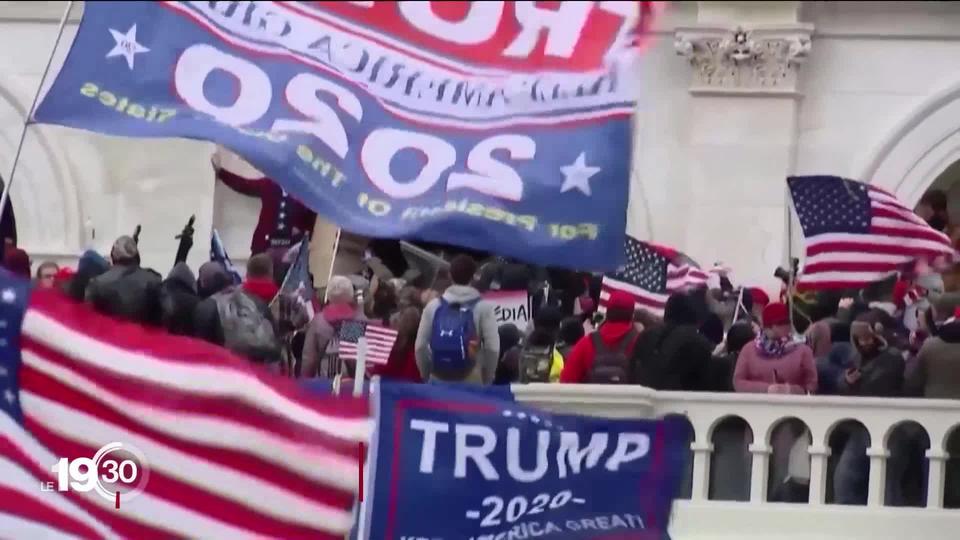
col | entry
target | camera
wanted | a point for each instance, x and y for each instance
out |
(785, 275)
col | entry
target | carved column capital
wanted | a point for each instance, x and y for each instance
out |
(757, 60)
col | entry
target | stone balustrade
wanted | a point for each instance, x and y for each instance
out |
(700, 516)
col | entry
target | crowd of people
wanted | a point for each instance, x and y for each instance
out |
(895, 340)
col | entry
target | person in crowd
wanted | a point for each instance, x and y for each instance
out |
(409, 296)
(235, 319)
(402, 363)
(643, 319)
(90, 265)
(539, 359)
(739, 336)
(775, 363)
(178, 300)
(259, 280)
(127, 290)
(320, 346)
(61, 280)
(283, 219)
(571, 332)
(604, 356)
(674, 355)
(510, 340)
(760, 300)
(383, 302)
(937, 371)
(933, 209)
(878, 370)
(458, 339)
(839, 358)
(17, 262)
(47, 274)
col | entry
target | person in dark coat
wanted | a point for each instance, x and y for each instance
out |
(214, 278)
(178, 300)
(722, 366)
(571, 331)
(674, 356)
(17, 262)
(127, 290)
(283, 220)
(877, 370)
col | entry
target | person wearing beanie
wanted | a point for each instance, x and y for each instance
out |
(126, 290)
(674, 355)
(775, 363)
(615, 333)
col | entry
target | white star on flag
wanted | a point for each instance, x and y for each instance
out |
(577, 175)
(8, 296)
(127, 45)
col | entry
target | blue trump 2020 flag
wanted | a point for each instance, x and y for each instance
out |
(385, 117)
(451, 464)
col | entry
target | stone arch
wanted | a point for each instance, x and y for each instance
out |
(46, 196)
(919, 148)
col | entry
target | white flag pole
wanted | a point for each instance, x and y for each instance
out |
(29, 118)
(333, 261)
(361, 367)
(736, 312)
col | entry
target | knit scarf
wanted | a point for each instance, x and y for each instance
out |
(772, 348)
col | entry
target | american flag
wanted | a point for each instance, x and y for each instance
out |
(856, 234)
(651, 274)
(233, 451)
(297, 282)
(380, 340)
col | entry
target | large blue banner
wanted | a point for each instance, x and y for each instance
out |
(388, 136)
(452, 465)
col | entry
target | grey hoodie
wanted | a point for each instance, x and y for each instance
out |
(486, 325)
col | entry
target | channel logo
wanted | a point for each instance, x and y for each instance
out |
(116, 471)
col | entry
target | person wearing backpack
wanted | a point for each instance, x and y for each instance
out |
(458, 339)
(538, 359)
(237, 320)
(603, 356)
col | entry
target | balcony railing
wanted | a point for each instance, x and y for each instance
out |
(755, 471)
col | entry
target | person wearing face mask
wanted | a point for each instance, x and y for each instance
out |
(775, 363)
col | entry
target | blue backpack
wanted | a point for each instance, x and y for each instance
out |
(453, 330)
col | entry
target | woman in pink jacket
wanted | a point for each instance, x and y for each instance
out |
(775, 363)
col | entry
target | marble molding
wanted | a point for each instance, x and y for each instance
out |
(757, 60)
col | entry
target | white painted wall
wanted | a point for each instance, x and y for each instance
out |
(875, 99)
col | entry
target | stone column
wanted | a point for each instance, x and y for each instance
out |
(742, 133)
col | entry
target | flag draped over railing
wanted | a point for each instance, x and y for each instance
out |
(504, 127)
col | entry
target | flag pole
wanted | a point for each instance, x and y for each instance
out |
(793, 278)
(361, 367)
(29, 118)
(333, 260)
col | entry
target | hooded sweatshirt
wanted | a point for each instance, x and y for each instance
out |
(937, 373)
(579, 363)
(178, 300)
(674, 356)
(485, 322)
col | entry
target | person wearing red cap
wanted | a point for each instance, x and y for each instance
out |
(775, 363)
(616, 336)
